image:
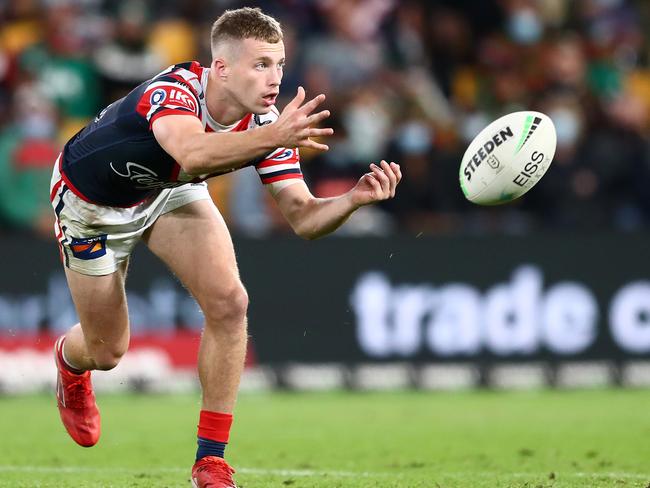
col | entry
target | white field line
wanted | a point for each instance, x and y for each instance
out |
(117, 469)
(314, 473)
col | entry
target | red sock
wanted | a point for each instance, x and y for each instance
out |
(62, 360)
(214, 425)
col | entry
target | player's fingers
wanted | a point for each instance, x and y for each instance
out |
(392, 177)
(308, 143)
(381, 177)
(311, 105)
(297, 100)
(319, 117)
(375, 184)
(397, 170)
(320, 132)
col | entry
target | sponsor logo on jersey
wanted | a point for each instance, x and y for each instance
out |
(143, 177)
(88, 247)
(157, 96)
(178, 97)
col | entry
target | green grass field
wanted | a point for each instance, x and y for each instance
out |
(480, 439)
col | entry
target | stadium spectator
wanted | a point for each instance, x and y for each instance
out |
(61, 68)
(127, 58)
(27, 146)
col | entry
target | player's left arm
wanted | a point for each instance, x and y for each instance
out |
(312, 217)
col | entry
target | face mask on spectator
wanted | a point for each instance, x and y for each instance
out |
(37, 126)
(414, 138)
(524, 26)
(472, 124)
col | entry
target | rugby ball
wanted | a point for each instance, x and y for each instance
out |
(508, 158)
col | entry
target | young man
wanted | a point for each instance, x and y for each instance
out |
(136, 172)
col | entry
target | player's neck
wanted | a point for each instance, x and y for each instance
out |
(222, 108)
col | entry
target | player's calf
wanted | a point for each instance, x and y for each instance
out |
(106, 357)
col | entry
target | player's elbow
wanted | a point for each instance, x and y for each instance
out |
(306, 232)
(299, 213)
(308, 229)
(192, 163)
(196, 158)
(189, 167)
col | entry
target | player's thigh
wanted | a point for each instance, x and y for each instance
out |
(101, 305)
(195, 243)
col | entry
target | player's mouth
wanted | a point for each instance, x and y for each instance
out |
(270, 99)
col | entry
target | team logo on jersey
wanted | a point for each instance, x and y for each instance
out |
(88, 247)
(157, 96)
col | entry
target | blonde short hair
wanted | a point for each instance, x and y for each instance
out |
(245, 23)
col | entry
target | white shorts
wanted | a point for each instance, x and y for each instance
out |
(96, 239)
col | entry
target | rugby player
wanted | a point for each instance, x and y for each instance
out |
(137, 172)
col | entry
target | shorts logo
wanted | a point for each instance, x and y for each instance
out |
(88, 247)
(157, 97)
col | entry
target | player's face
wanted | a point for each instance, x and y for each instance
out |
(255, 74)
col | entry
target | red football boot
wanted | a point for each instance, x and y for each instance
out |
(76, 402)
(212, 472)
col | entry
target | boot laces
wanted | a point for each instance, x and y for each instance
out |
(218, 469)
(77, 391)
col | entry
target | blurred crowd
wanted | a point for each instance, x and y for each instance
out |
(411, 81)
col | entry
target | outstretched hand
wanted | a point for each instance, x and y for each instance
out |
(294, 127)
(379, 184)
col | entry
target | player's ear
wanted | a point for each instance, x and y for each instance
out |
(220, 68)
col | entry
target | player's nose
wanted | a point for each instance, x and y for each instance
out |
(275, 78)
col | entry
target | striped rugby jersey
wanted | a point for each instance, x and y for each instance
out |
(116, 161)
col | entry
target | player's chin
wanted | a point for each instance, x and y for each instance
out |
(262, 107)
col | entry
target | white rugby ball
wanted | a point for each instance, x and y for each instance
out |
(508, 158)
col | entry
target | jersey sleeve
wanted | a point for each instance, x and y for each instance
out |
(281, 167)
(168, 94)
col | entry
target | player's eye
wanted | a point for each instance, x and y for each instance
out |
(260, 66)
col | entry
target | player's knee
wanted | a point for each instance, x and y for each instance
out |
(228, 307)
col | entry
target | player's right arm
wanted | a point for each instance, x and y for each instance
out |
(182, 136)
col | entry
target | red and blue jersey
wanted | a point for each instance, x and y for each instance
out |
(116, 160)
